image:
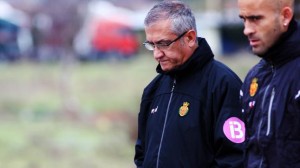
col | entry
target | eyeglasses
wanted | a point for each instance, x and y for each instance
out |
(162, 44)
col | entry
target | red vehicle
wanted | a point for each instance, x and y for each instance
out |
(113, 39)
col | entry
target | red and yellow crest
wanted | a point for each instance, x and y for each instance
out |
(183, 110)
(253, 87)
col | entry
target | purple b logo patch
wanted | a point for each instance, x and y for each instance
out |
(234, 129)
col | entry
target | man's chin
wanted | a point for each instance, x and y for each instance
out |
(165, 69)
(257, 52)
(259, 55)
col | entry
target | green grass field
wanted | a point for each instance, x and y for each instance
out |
(71, 115)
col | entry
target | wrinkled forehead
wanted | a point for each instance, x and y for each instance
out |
(159, 30)
(159, 25)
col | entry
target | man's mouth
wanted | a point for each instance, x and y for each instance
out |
(254, 42)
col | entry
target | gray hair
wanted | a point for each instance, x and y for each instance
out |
(180, 15)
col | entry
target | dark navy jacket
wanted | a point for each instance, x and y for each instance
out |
(271, 104)
(186, 115)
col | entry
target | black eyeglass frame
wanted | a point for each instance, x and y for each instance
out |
(150, 46)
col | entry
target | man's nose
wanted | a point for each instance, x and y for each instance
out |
(248, 28)
(157, 53)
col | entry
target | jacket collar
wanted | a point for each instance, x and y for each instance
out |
(287, 47)
(198, 59)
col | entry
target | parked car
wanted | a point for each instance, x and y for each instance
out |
(109, 33)
(113, 39)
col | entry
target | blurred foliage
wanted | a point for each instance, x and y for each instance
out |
(63, 145)
(70, 114)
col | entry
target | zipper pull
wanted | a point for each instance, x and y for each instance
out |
(174, 83)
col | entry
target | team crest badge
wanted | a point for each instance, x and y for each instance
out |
(253, 87)
(183, 110)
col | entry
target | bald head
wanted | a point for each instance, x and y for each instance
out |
(289, 3)
(265, 21)
(283, 3)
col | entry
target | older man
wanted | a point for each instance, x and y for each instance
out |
(190, 113)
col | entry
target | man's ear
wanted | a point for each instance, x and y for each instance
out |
(191, 37)
(287, 15)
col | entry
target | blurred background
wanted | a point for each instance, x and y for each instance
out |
(72, 73)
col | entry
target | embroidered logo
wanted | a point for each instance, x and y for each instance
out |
(251, 104)
(253, 87)
(183, 110)
(234, 130)
(154, 110)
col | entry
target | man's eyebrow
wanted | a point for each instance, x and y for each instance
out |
(148, 42)
(250, 17)
(157, 42)
(162, 41)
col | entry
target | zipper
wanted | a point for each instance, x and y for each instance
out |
(165, 123)
(260, 164)
(264, 98)
(270, 111)
(262, 107)
(269, 121)
(259, 128)
(271, 103)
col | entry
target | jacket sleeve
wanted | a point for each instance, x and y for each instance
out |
(229, 129)
(146, 101)
(140, 143)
